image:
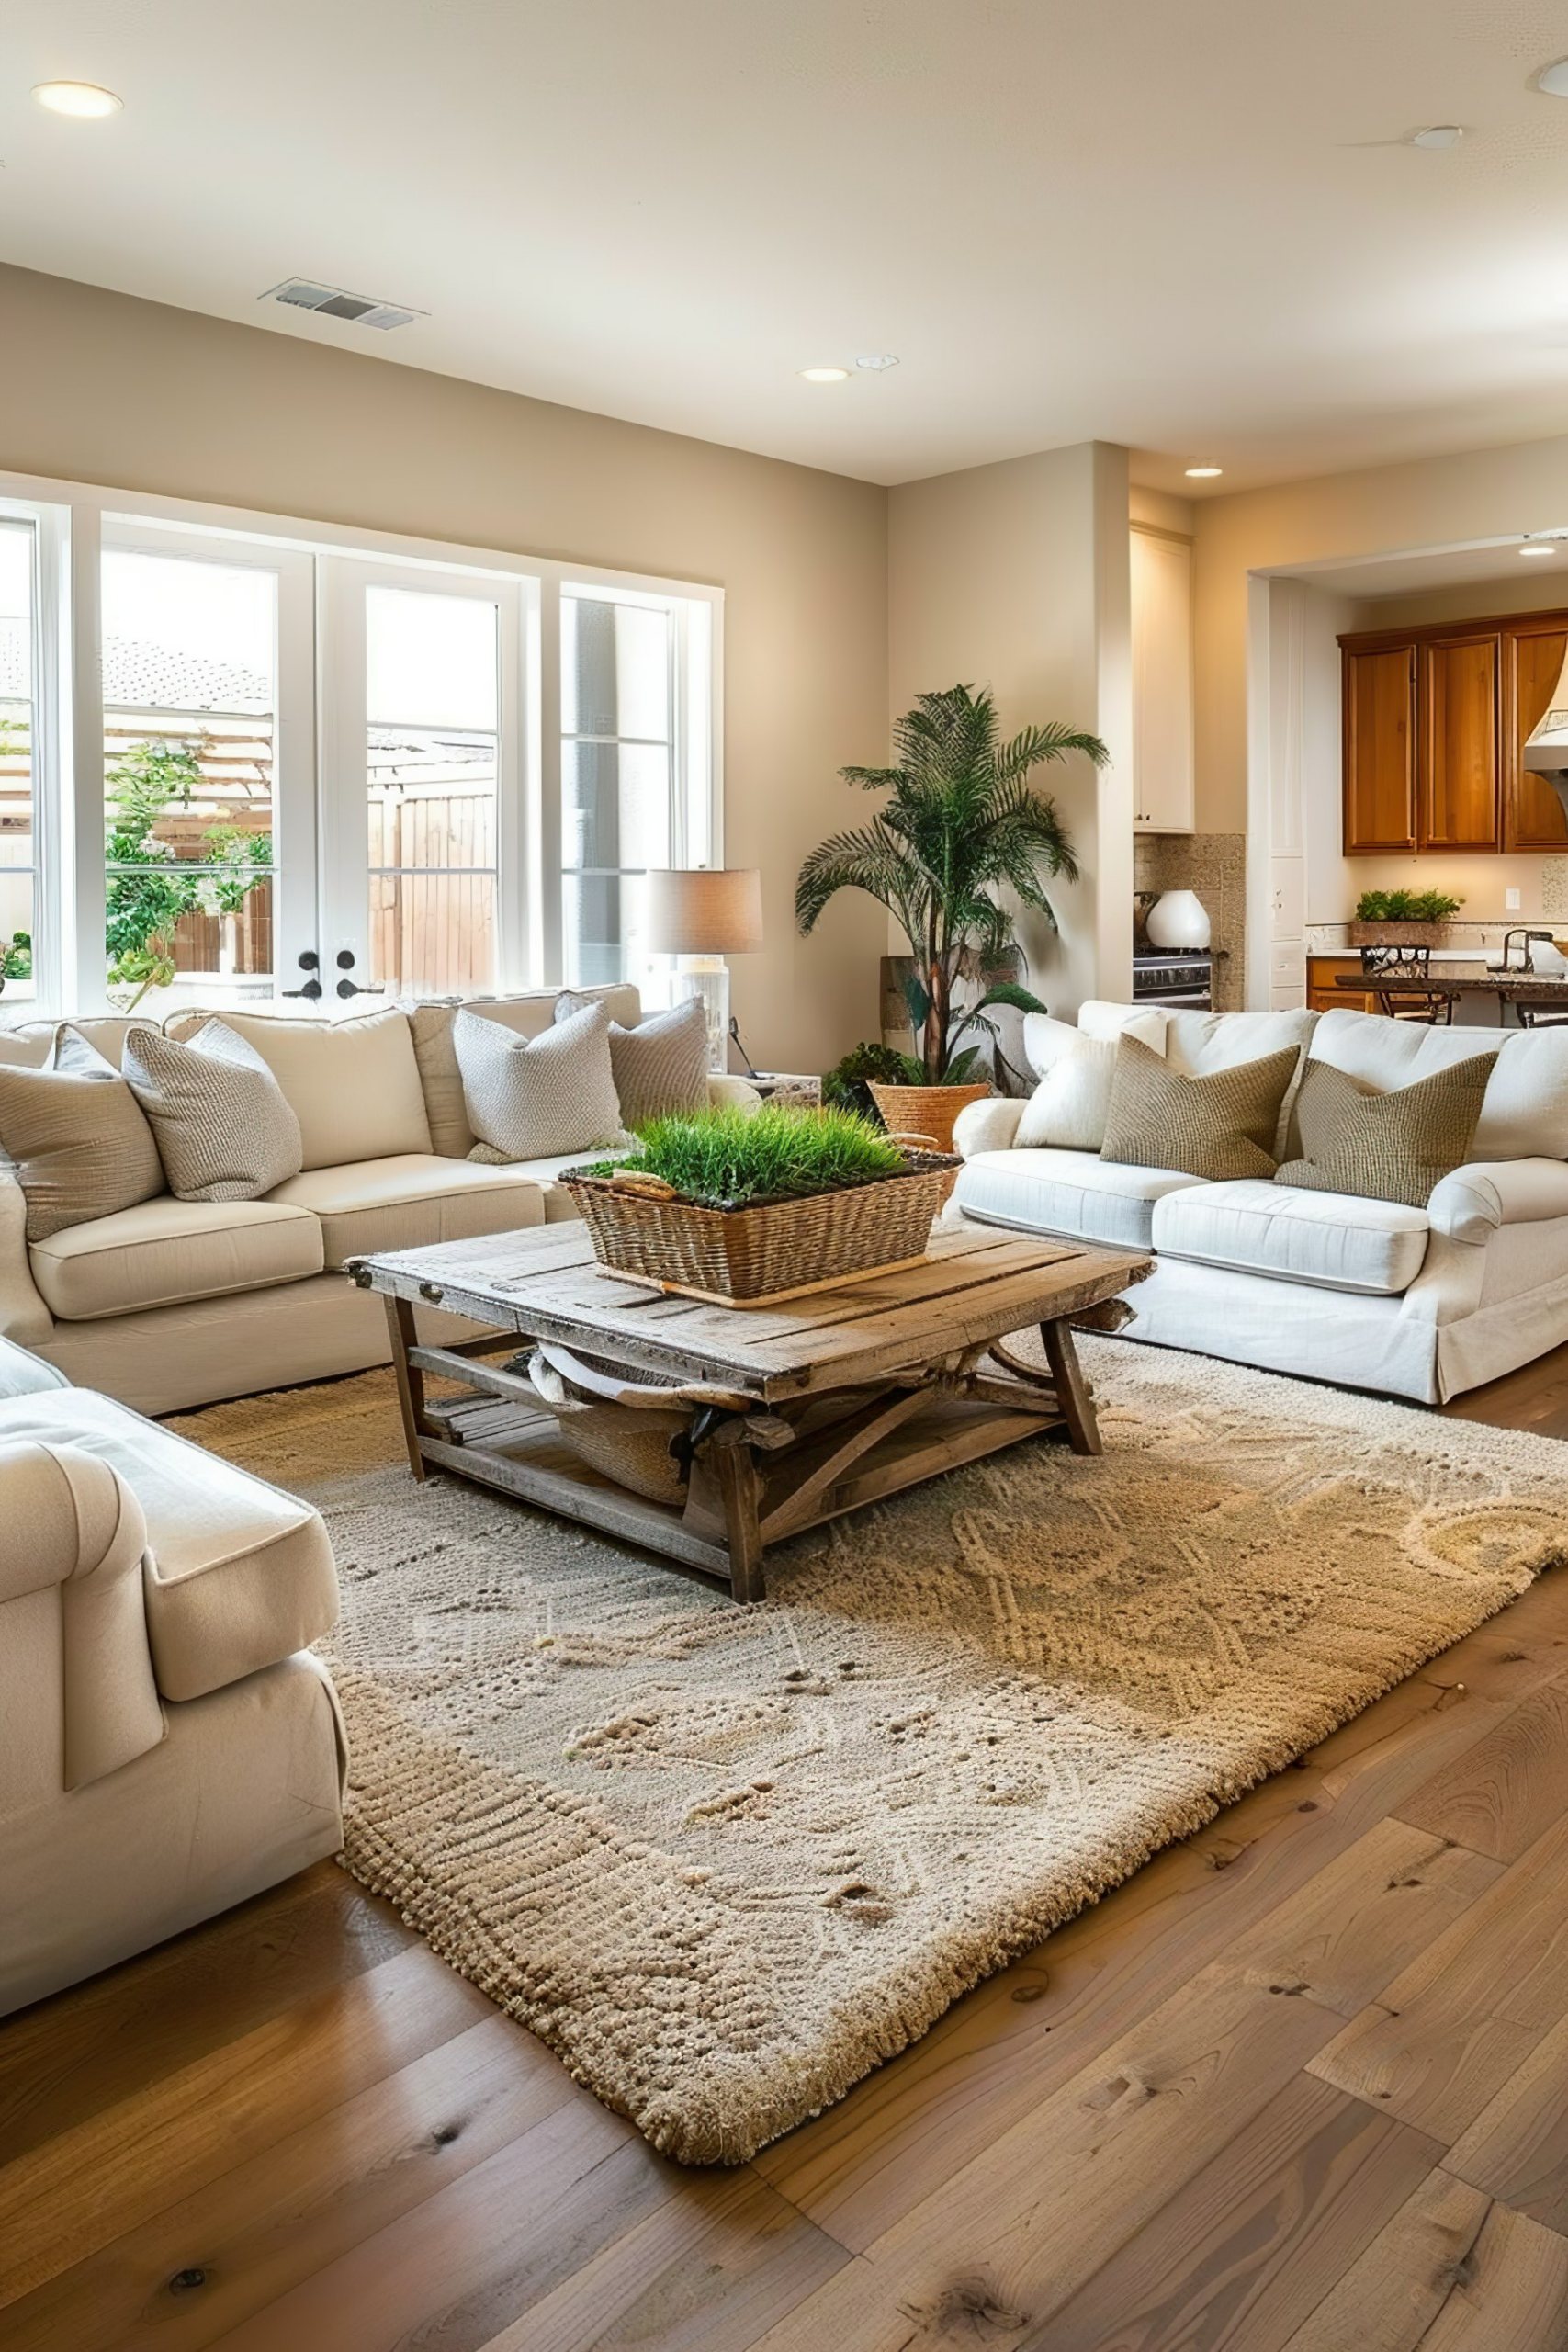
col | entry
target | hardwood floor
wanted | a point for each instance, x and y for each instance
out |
(1300, 2086)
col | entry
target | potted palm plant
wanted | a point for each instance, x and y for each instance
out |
(962, 821)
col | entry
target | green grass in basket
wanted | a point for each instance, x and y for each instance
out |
(726, 1157)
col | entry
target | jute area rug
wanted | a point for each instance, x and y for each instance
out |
(724, 1862)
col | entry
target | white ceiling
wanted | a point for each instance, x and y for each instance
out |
(1189, 225)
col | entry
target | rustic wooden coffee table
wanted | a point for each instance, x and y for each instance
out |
(809, 1409)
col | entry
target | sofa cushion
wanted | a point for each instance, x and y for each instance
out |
(1072, 1193)
(1069, 1106)
(1384, 1054)
(1200, 1043)
(166, 1252)
(1048, 1042)
(352, 1085)
(78, 1138)
(224, 1128)
(1386, 1147)
(661, 1065)
(528, 1095)
(1220, 1125)
(529, 1015)
(1332, 1240)
(412, 1198)
(239, 1575)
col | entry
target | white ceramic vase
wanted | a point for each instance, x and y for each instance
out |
(1177, 920)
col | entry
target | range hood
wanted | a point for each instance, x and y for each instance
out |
(1546, 747)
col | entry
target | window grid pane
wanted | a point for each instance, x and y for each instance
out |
(17, 736)
(617, 805)
(431, 769)
(189, 761)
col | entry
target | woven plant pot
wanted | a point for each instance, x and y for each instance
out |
(769, 1250)
(1401, 934)
(925, 1109)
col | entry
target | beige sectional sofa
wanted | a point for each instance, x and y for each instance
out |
(177, 1303)
(167, 1744)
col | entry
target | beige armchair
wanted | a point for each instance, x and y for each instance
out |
(167, 1747)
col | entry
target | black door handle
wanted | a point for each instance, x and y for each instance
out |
(309, 962)
(346, 988)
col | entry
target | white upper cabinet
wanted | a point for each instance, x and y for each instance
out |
(1162, 684)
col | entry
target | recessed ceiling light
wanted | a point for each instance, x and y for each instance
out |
(1537, 551)
(1553, 79)
(876, 361)
(1203, 473)
(77, 97)
(1438, 134)
(825, 375)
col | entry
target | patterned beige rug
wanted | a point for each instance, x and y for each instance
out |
(725, 1861)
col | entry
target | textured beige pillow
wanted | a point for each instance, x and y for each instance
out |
(531, 1098)
(1386, 1146)
(1220, 1126)
(76, 1139)
(660, 1066)
(1067, 1108)
(223, 1126)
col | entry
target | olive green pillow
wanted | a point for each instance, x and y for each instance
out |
(1219, 1125)
(1386, 1146)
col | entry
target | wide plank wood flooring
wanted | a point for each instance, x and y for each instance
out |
(1300, 2086)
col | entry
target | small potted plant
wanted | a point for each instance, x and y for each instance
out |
(961, 822)
(737, 1205)
(1403, 919)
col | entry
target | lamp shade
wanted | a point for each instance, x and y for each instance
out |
(699, 911)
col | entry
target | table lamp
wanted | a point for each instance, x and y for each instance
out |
(702, 914)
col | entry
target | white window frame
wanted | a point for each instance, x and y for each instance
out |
(345, 863)
(76, 520)
(295, 766)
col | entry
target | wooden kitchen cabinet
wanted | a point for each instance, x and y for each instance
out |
(1435, 722)
(1322, 994)
(1380, 749)
(1459, 742)
(1532, 814)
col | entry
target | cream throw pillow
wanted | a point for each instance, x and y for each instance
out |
(532, 1098)
(1067, 1108)
(223, 1126)
(658, 1066)
(76, 1139)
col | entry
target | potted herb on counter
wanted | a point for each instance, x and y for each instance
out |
(1404, 919)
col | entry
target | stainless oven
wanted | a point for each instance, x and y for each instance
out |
(1182, 976)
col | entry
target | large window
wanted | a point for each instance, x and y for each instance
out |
(190, 676)
(18, 735)
(627, 797)
(238, 764)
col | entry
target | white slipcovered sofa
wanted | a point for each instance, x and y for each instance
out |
(1422, 1303)
(178, 1303)
(168, 1744)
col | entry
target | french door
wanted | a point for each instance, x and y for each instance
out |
(210, 849)
(421, 793)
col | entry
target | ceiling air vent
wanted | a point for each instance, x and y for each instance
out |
(305, 294)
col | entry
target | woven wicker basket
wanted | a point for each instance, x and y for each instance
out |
(925, 1109)
(772, 1250)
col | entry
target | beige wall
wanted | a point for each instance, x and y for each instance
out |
(101, 388)
(1015, 576)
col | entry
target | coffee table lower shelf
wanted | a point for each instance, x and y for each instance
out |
(862, 1444)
